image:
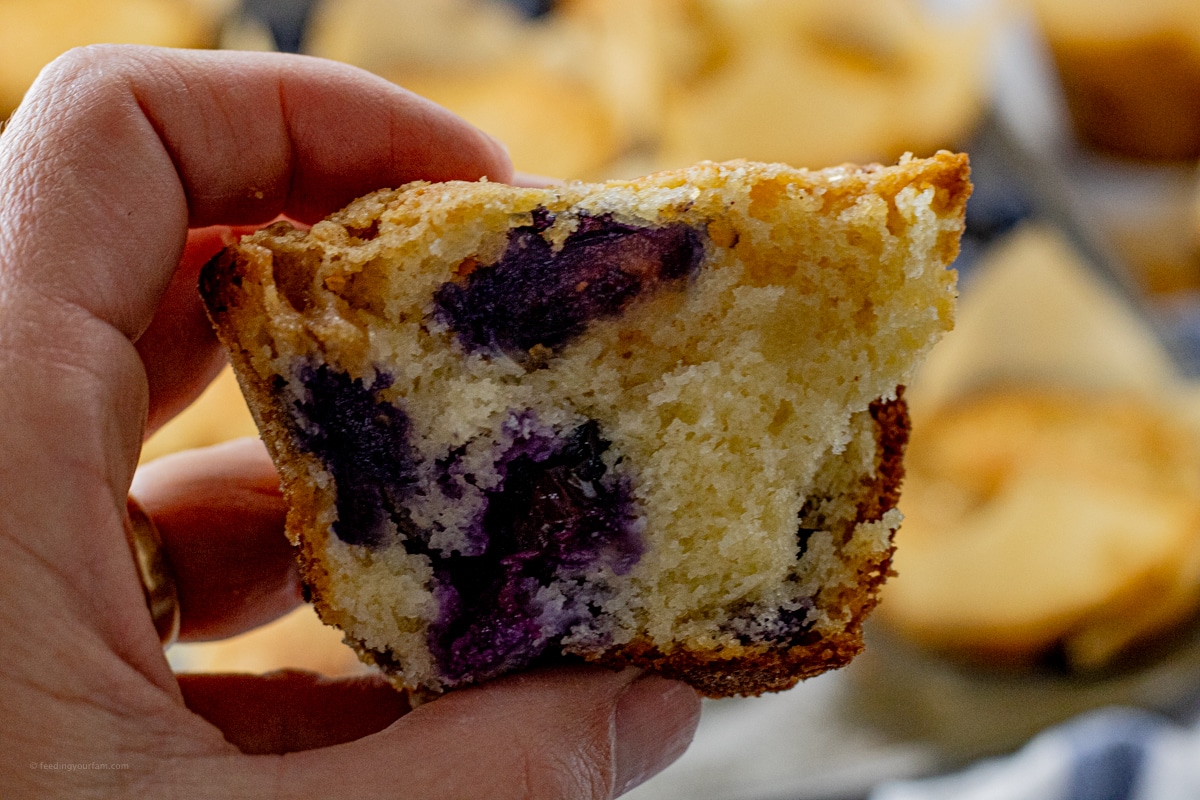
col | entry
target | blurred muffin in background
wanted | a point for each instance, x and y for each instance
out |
(1122, 82)
(806, 82)
(1151, 218)
(298, 640)
(603, 87)
(1048, 525)
(813, 83)
(34, 33)
(380, 35)
(1130, 73)
(1052, 501)
(519, 80)
(552, 123)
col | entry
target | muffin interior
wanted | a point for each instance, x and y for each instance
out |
(592, 418)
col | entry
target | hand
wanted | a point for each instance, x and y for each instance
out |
(116, 153)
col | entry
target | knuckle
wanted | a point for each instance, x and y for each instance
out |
(93, 69)
(79, 72)
(80, 61)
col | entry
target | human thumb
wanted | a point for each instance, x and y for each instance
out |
(579, 732)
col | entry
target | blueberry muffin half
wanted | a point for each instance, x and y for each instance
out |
(653, 422)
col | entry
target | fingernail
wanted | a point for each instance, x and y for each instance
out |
(655, 721)
(504, 158)
(531, 181)
(499, 143)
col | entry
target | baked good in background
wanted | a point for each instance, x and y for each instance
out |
(298, 640)
(805, 82)
(1149, 222)
(1048, 526)
(1130, 73)
(1105, 95)
(528, 83)
(32, 34)
(810, 82)
(651, 422)
(1053, 496)
(552, 123)
(378, 35)
(1099, 92)
(665, 83)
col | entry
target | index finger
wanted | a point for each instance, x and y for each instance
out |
(116, 151)
(133, 144)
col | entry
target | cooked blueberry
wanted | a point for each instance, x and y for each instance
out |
(536, 296)
(542, 219)
(777, 626)
(556, 514)
(794, 625)
(364, 443)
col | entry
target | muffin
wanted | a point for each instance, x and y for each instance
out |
(654, 422)
(34, 34)
(1130, 73)
(1052, 498)
(812, 82)
(650, 84)
(552, 123)
(530, 83)
(1048, 525)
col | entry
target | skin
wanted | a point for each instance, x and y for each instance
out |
(119, 176)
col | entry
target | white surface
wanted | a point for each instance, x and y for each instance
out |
(796, 744)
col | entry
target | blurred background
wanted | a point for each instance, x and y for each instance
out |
(1049, 564)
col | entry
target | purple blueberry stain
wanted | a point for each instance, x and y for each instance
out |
(788, 625)
(531, 568)
(556, 518)
(520, 435)
(557, 504)
(541, 219)
(538, 296)
(364, 443)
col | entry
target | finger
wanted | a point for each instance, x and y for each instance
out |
(221, 517)
(532, 181)
(571, 732)
(179, 349)
(161, 139)
(291, 710)
(116, 151)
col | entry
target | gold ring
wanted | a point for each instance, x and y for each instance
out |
(154, 571)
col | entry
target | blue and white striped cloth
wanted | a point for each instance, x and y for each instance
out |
(1113, 754)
